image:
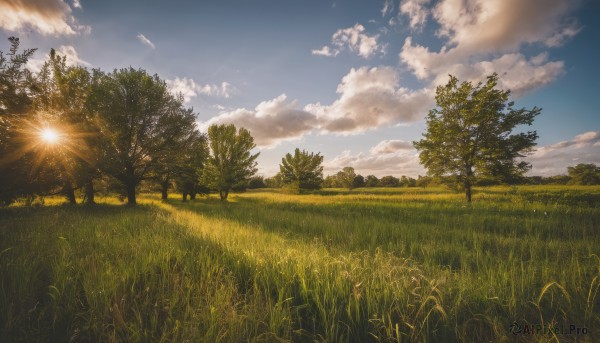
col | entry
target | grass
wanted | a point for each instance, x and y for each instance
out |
(364, 265)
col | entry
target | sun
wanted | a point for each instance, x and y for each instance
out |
(49, 135)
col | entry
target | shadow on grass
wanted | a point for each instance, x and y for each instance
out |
(360, 225)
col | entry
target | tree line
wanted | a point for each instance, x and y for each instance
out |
(67, 128)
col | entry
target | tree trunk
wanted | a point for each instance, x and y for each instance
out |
(70, 194)
(131, 193)
(223, 193)
(184, 196)
(89, 192)
(164, 189)
(468, 190)
(193, 196)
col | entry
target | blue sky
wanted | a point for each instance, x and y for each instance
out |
(350, 79)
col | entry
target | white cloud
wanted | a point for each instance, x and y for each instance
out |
(391, 146)
(355, 40)
(326, 51)
(554, 159)
(388, 7)
(271, 122)
(189, 89)
(225, 90)
(516, 72)
(396, 164)
(77, 4)
(416, 10)
(371, 98)
(48, 17)
(484, 36)
(145, 41)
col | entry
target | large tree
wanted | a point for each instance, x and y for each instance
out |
(62, 104)
(231, 160)
(346, 177)
(302, 170)
(584, 174)
(469, 134)
(141, 125)
(19, 166)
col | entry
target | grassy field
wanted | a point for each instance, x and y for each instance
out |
(367, 265)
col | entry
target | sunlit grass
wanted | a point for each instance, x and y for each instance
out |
(337, 265)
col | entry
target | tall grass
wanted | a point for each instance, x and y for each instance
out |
(366, 265)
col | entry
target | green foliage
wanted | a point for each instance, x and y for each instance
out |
(20, 175)
(345, 177)
(389, 181)
(359, 181)
(274, 181)
(469, 134)
(142, 124)
(303, 170)
(371, 181)
(256, 182)
(584, 174)
(231, 161)
(186, 166)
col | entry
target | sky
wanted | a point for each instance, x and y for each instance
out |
(352, 80)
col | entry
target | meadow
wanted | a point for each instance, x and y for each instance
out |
(368, 265)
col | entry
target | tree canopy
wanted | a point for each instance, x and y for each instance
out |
(141, 125)
(469, 134)
(584, 174)
(231, 161)
(302, 170)
(346, 177)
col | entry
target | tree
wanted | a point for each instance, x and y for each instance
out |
(141, 124)
(274, 181)
(231, 161)
(63, 102)
(22, 172)
(389, 181)
(346, 177)
(469, 134)
(359, 181)
(256, 182)
(371, 181)
(584, 174)
(330, 181)
(302, 170)
(185, 168)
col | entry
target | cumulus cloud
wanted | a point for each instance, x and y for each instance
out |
(416, 10)
(484, 36)
(355, 40)
(271, 122)
(145, 41)
(391, 146)
(225, 90)
(48, 17)
(371, 98)
(77, 4)
(554, 159)
(397, 164)
(326, 51)
(517, 73)
(189, 89)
